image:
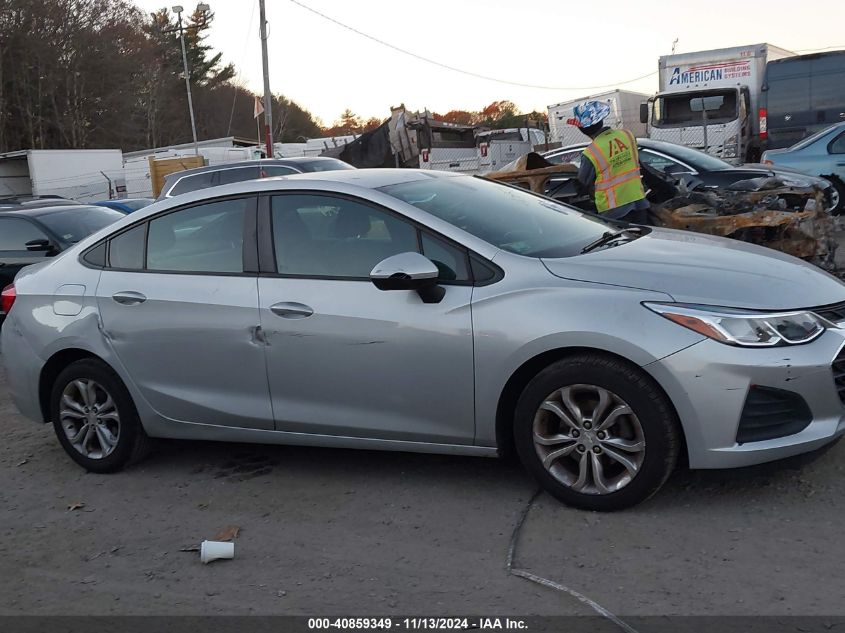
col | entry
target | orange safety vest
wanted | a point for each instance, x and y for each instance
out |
(614, 155)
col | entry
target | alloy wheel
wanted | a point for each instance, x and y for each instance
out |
(89, 418)
(589, 439)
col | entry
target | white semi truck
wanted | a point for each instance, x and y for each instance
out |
(708, 100)
(624, 112)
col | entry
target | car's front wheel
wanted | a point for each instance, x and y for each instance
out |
(596, 432)
(95, 419)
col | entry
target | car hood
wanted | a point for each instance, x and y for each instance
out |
(696, 268)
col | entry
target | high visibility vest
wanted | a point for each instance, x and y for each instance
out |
(614, 155)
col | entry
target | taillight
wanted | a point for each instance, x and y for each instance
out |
(7, 298)
(764, 124)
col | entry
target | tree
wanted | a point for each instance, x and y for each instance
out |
(462, 117)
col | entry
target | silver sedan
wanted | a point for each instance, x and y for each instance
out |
(424, 311)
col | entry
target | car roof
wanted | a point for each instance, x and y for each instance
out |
(368, 178)
(283, 162)
(34, 212)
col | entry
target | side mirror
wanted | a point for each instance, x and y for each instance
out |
(40, 245)
(643, 113)
(408, 271)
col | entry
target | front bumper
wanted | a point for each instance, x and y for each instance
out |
(709, 383)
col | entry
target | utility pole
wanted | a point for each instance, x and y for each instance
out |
(177, 9)
(268, 98)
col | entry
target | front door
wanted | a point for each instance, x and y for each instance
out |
(347, 359)
(182, 315)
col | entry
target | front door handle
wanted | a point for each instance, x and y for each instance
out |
(128, 298)
(291, 310)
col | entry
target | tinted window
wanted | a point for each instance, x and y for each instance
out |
(268, 171)
(661, 163)
(228, 176)
(328, 236)
(827, 85)
(16, 232)
(206, 238)
(450, 260)
(73, 225)
(788, 91)
(192, 183)
(506, 217)
(97, 255)
(127, 249)
(838, 146)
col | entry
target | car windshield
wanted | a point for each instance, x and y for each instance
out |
(327, 164)
(690, 156)
(72, 225)
(506, 217)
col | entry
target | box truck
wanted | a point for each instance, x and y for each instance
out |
(709, 100)
(624, 112)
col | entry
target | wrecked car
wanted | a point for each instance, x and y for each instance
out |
(694, 191)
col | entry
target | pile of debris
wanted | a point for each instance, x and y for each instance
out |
(765, 210)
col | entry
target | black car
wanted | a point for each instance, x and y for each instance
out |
(680, 163)
(28, 234)
(193, 179)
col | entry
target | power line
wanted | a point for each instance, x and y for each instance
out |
(460, 70)
(240, 69)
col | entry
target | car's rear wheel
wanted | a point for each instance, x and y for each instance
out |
(95, 419)
(596, 433)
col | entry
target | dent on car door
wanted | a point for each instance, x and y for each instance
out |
(345, 358)
(181, 313)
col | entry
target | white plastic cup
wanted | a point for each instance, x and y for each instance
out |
(214, 550)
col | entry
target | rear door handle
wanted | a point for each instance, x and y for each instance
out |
(128, 298)
(291, 310)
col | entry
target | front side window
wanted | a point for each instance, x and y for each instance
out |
(450, 260)
(317, 235)
(16, 232)
(838, 146)
(207, 238)
(660, 163)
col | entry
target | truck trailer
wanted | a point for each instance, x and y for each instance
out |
(709, 100)
(624, 112)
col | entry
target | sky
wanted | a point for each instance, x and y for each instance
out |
(572, 49)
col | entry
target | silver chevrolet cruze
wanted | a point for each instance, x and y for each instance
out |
(423, 311)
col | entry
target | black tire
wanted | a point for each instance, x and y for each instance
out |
(657, 420)
(839, 209)
(132, 442)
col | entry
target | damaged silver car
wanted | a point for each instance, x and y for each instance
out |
(413, 310)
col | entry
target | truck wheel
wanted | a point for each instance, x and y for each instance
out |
(596, 433)
(95, 419)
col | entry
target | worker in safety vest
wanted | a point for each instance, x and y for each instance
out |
(610, 166)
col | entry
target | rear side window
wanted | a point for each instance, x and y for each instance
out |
(127, 249)
(268, 171)
(191, 183)
(239, 174)
(207, 238)
(838, 146)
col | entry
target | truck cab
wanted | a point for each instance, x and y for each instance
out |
(716, 121)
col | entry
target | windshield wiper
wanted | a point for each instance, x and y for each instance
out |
(630, 233)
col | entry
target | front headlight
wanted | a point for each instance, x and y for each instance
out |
(745, 328)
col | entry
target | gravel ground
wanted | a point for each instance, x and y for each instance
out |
(356, 532)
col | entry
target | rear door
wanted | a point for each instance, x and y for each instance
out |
(345, 358)
(179, 304)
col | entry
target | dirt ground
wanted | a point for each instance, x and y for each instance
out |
(355, 532)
